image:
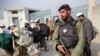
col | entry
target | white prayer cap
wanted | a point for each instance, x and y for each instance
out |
(12, 24)
(79, 14)
(37, 20)
(32, 21)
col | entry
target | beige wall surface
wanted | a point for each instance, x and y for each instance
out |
(96, 16)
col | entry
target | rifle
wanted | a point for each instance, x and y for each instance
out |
(65, 49)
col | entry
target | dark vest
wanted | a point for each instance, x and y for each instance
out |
(68, 34)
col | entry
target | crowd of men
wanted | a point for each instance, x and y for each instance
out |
(70, 37)
(39, 32)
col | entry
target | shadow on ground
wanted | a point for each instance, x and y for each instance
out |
(95, 47)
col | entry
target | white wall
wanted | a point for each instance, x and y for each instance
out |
(96, 16)
(7, 18)
(22, 15)
(2, 21)
(94, 13)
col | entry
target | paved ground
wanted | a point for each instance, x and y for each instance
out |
(96, 46)
(95, 49)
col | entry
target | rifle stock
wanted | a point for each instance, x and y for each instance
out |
(65, 49)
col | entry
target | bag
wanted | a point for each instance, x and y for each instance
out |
(95, 32)
(26, 37)
(36, 35)
(33, 48)
(42, 33)
(5, 40)
(45, 29)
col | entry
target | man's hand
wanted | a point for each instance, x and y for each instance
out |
(90, 42)
(61, 48)
(67, 54)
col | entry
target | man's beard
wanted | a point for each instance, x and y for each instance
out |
(65, 18)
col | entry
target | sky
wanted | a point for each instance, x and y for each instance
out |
(38, 4)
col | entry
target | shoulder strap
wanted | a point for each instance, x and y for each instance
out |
(74, 22)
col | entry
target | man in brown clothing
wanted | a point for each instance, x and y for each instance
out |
(88, 28)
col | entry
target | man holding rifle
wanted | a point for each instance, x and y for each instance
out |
(68, 38)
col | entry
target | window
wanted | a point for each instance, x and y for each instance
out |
(14, 12)
(15, 21)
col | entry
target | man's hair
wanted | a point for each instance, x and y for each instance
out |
(82, 15)
(64, 6)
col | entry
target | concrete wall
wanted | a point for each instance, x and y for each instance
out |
(5, 14)
(2, 21)
(96, 16)
(94, 13)
(22, 15)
